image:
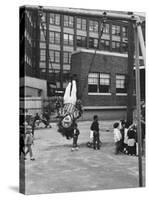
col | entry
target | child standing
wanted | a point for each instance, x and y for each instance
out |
(29, 142)
(126, 137)
(76, 133)
(117, 137)
(22, 144)
(131, 141)
(95, 128)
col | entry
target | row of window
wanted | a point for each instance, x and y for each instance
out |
(82, 24)
(81, 41)
(100, 83)
(55, 56)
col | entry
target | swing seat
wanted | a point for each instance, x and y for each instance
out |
(68, 115)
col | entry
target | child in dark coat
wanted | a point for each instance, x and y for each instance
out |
(76, 133)
(95, 128)
(22, 143)
(131, 141)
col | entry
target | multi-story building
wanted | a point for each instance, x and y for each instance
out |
(52, 34)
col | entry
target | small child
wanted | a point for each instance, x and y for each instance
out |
(117, 137)
(95, 128)
(131, 141)
(126, 138)
(22, 144)
(75, 137)
(29, 142)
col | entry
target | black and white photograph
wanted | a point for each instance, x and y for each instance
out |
(74, 99)
(82, 99)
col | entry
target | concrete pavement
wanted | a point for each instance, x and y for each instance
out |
(57, 169)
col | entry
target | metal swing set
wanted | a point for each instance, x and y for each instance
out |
(69, 113)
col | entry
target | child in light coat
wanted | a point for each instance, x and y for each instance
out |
(117, 137)
(29, 142)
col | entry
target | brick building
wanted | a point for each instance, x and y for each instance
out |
(50, 35)
(104, 83)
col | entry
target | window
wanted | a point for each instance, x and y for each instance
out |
(93, 42)
(54, 19)
(125, 31)
(81, 41)
(93, 26)
(66, 57)
(106, 29)
(57, 38)
(124, 47)
(68, 21)
(120, 84)
(51, 38)
(51, 54)
(116, 46)
(115, 30)
(98, 83)
(68, 39)
(54, 37)
(93, 82)
(42, 54)
(104, 45)
(104, 83)
(42, 45)
(81, 24)
(54, 56)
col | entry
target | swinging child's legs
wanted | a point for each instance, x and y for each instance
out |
(67, 93)
(73, 97)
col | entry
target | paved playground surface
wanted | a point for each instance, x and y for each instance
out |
(57, 169)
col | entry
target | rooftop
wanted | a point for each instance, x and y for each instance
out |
(122, 15)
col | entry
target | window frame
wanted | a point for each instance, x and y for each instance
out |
(55, 39)
(68, 43)
(116, 49)
(92, 26)
(104, 46)
(67, 57)
(82, 42)
(122, 84)
(92, 43)
(42, 55)
(55, 22)
(104, 79)
(105, 30)
(124, 33)
(53, 58)
(117, 30)
(82, 25)
(68, 21)
(94, 84)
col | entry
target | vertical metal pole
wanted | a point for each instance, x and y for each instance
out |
(139, 136)
(141, 40)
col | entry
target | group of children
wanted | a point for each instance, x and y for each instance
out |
(125, 138)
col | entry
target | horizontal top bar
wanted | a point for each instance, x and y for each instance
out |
(88, 12)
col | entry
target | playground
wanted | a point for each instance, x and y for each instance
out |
(57, 169)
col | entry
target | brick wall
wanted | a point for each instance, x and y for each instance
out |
(81, 65)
